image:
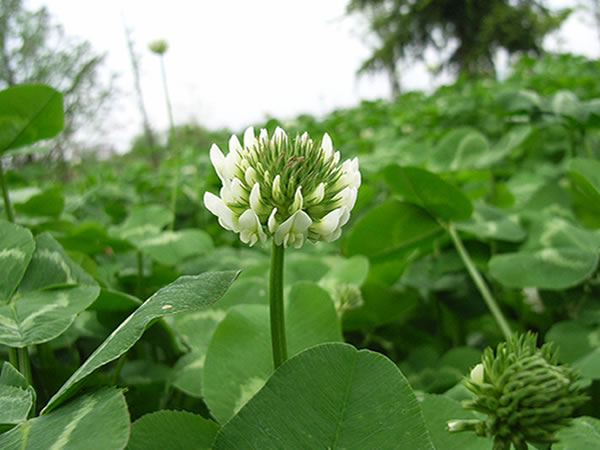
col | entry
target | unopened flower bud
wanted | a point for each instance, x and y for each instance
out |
(477, 374)
(159, 46)
(526, 395)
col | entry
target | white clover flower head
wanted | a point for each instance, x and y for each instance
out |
(288, 189)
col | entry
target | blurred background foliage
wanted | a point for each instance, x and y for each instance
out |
(35, 49)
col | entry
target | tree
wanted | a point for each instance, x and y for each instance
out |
(149, 139)
(34, 49)
(472, 30)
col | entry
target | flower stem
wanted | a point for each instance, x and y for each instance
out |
(479, 282)
(278, 339)
(46, 355)
(13, 357)
(117, 371)
(172, 143)
(25, 364)
(7, 207)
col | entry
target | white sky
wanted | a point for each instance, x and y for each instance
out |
(232, 62)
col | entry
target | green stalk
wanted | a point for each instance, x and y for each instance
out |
(19, 358)
(174, 152)
(140, 275)
(117, 371)
(174, 191)
(7, 206)
(24, 364)
(479, 282)
(13, 357)
(278, 339)
(168, 99)
(586, 145)
(46, 355)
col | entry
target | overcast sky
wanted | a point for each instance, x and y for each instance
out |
(232, 62)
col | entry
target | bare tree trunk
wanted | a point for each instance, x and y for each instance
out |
(596, 11)
(10, 75)
(394, 80)
(150, 141)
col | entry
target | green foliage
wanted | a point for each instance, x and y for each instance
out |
(29, 113)
(507, 169)
(172, 430)
(187, 293)
(584, 433)
(48, 297)
(391, 229)
(557, 255)
(17, 396)
(339, 385)
(434, 195)
(76, 425)
(238, 361)
(437, 409)
(18, 246)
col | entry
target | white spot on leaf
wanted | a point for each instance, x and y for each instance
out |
(247, 391)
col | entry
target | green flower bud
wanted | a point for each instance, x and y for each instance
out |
(159, 47)
(288, 189)
(526, 395)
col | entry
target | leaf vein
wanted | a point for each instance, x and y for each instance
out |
(345, 403)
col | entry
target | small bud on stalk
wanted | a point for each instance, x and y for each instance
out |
(159, 47)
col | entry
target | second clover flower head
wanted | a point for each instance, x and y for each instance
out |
(525, 393)
(288, 189)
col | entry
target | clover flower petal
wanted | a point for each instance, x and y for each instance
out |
(263, 136)
(477, 374)
(249, 139)
(298, 200)
(234, 145)
(272, 221)
(276, 189)
(346, 197)
(216, 206)
(256, 203)
(326, 228)
(336, 158)
(279, 134)
(317, 195)
(350, 174)
(305, 137)
(250, 228)
(250, 176)
(233, 192)
(291, 189)
(327, 146)
(294, 230)
(218, 161)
